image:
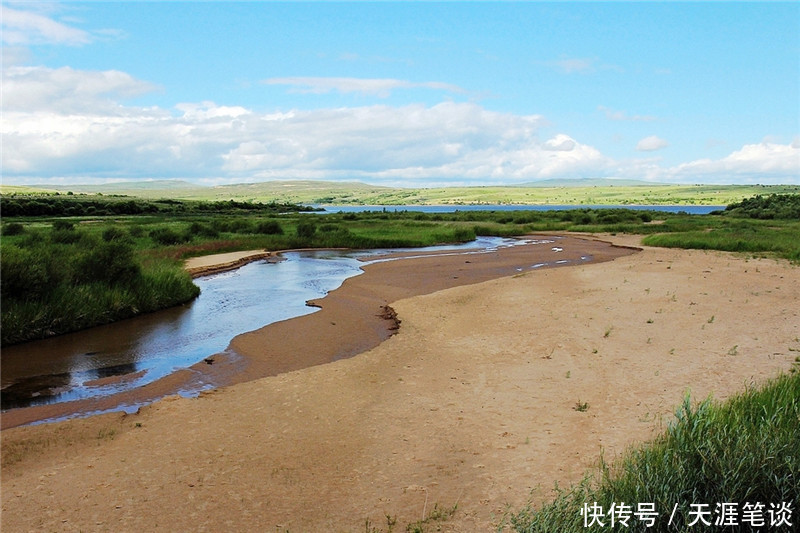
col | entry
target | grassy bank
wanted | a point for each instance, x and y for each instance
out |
(743, 451)
(69, 273)
(65, 279)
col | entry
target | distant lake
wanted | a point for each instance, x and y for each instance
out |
(690, 209)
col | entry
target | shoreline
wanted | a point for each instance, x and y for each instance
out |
(472, 402)
(351, 319)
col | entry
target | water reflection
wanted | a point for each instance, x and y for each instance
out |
(146, 348)
(67, 367)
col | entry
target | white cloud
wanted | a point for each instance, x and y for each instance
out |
(753, 163)
(560, 143)
(65, 122)
(209, 110)
(66, 90)
(373, 87)
(651, 143)
(22, 28)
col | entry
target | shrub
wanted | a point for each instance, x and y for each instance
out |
(196, 228)
(115, 234)
(306, 229)
(328, 228)
(63, 225)
(65, 236)
(136, 231)
(167, 236)
(15, 228)
(269, 227)
(108, 261)
(22, 274)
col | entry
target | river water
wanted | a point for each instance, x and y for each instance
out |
(690, 209)
(143, 349)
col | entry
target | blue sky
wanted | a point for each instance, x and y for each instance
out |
(406, 93)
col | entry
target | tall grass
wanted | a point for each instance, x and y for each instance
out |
(52, 284)
(750, 237)
(745, 450)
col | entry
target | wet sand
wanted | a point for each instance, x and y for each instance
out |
(352, 319)
(471, 402)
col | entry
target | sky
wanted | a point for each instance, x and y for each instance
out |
(416, 94)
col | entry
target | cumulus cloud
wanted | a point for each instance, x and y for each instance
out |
(651, 144)
(560, 143)
(372, 87)
(66, 90)
(756, 163)
(72, 123)
(61, 122)
(23, 28)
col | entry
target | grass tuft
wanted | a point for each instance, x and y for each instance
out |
(743, 450)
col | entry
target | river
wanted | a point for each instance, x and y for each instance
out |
(89, 363)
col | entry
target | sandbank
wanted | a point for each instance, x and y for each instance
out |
(471, 402)
(211, 264)
(351, 320)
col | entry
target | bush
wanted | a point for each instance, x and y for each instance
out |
(115, 234)
(111, 262)
(63, 225)
(196, 228)
(65, 236)
(23, 275)
(306, 229)
(15, 228)
(269, 227)
(167, 236)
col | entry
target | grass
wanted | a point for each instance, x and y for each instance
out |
(573, 192)
(581, 407)
(56, 277)
(743, 450)
(431, 521)
(750, 236)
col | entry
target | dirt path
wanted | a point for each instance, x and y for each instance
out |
(472, 402)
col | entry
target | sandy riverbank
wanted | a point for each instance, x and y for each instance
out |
(352, 319)
(471, 402)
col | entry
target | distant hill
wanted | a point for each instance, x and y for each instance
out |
(592, 182)
(122, 187)
(578, 191)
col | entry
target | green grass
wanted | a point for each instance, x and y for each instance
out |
(569, 192)
(60, 280)
(56, 276)
(744, 235)
(743, 450)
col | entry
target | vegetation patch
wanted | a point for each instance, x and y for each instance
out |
(67, 267)
(744, 450)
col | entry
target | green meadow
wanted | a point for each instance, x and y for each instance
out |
(552, 192)
(71, 261)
